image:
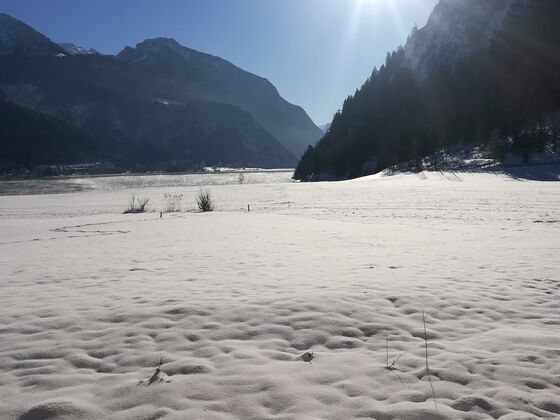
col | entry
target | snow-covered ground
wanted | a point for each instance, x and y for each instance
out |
(91, 300)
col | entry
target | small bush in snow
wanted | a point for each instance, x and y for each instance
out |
(172, 202)
(204, 201)
(137, 205)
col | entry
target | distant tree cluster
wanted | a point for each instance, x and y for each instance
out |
(502, 98)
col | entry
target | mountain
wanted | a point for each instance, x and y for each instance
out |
(149, 108)
(481, 74)
(119, 105)
(18, 38)
(75, 50)
(325, 127)
(187, 75)
(456, 29)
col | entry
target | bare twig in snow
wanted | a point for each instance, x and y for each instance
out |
(391, 366)
(397, 359)
(155, 376)
(158, 376)
(427, 365)
(387, 349)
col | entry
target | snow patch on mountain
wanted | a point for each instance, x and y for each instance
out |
(164, 101)
(76, 50)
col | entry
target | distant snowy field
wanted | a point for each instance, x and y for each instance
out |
(92, 299)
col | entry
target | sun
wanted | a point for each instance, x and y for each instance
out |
(374, 2)
(367, 2)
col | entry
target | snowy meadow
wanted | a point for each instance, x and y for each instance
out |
(307, 307)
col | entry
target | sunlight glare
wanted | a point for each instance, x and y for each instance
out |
(392, 6)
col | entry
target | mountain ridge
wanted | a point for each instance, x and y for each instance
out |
(191, 74)
(132, 107)
(455, 29)
(16, 37)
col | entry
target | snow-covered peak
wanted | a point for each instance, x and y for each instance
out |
(455, 29)
(75, 50)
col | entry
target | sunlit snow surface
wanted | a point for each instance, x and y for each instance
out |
(229, 301)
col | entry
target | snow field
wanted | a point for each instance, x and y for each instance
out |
(92, 300)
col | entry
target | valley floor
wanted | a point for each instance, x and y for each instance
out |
(91, 300)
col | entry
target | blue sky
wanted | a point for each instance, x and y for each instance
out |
(316, 52)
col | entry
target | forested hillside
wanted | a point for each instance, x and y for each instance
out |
(501, 93)
(29, 138)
